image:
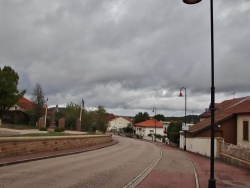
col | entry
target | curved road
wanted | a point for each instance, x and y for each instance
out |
(109, 167)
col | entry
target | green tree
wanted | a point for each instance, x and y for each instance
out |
(71, 113)
(88, 121)
(159, 117)
(9, 93)
(128, 129)
(173, 131)
(140, 117)
(101, 119)
(39, 102)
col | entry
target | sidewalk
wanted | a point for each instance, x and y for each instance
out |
(175, 170)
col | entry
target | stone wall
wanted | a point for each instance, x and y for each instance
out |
(25, 145)
(235, 161)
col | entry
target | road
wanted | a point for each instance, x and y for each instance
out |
(109, 167)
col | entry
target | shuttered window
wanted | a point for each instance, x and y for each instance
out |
(245, 130)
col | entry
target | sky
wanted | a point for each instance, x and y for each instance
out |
(128, 55)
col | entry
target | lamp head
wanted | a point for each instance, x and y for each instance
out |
(191, 1)
(180, 95)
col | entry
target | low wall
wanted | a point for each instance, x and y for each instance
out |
(235, 161)
(25, 145)
(201, 145)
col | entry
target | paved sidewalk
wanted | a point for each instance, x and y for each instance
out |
(175, 170)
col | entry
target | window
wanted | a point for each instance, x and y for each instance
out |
(245, 130)
(151, 131)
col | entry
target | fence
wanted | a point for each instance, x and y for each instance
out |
(237, 151)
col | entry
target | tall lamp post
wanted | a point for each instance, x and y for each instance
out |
(211, 181)
(185, 131)
(154, 110)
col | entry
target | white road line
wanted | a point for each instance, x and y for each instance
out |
(142, 175)
(195, 173)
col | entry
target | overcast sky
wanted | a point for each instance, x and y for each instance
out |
(127, 55)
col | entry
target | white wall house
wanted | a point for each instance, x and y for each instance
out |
(165, 127)
(243, 130)
(118, 123)
(149, 127)
(232, 125)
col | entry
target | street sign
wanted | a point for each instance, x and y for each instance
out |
(185, 127)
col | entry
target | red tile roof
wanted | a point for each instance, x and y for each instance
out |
(25, 103)
(111, 116)
(150, 123)
(225, 110)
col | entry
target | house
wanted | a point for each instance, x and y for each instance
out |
(16, 114)
(165, 127)
(232, 119)
(118, 123)
(149, 127)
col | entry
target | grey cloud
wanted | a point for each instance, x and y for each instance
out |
(129, 55)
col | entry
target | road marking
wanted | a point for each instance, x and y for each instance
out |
(195, 173)
(143, 175)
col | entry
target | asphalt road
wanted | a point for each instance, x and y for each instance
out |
(109, 167)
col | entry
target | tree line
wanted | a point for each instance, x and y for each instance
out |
(10, 95)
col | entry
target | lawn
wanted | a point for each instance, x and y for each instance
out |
(42, 134)
(23, 127)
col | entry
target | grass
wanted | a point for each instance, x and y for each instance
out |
(23, 127)
(42, 134)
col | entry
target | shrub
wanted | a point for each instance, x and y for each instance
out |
(58, 129)
(42, 129)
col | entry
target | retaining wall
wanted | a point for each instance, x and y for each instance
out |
(235, 161)
(13, 146)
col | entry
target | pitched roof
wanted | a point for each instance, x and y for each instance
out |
(150, 123)
(25, 103)
(225, 110)
(111, 116)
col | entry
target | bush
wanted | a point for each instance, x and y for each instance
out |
(174, 137)
(58, 129)
(42, 129)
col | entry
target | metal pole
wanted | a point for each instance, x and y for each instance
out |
(185, 132)
(212, 181)
(155, 126)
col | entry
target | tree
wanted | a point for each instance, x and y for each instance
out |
(101, 119)
(140, 117)
(173, 131)
(39, 102)
(129, 128)
(159, 117)
(9, 93)
(71, 113)
(88, 121)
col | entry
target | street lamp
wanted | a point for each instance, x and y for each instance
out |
(185, 131)
(211, 181)
(154, 110)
